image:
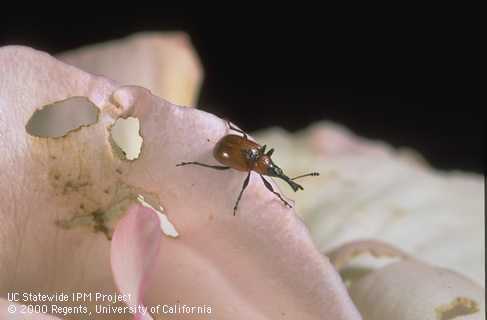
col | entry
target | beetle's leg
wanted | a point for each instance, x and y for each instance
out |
(246, 182)
(236, 129)
(203, 165)
(271, 189)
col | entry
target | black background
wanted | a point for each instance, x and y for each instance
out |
(387, 73)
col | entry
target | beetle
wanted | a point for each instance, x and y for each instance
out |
(242, 154)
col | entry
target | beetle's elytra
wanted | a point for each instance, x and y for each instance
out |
(240, 153)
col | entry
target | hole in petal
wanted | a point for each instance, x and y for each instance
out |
(126, 138)
(458, 307)
(341, 256)
(166, 226)
(59, 118)
(357, 258)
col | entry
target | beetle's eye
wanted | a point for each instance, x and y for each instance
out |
(253, 154)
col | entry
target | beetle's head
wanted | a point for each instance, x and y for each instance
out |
(265, 165)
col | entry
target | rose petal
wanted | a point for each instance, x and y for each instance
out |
(410, 290)
(164, 63)
(259, 264)
(261, 261)
(367, 189)
(52, 180)
(135, 247)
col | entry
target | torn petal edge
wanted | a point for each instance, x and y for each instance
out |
(166, 225)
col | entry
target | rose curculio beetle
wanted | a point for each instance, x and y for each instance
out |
(239, 153)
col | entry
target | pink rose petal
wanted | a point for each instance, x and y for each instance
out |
(163, 62)
(135, 246)
(260, 264)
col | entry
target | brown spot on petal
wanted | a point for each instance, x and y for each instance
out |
(340, 256)
(100, 224)
(458, 307)
(75, 186)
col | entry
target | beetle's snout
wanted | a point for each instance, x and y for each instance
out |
(276, 171)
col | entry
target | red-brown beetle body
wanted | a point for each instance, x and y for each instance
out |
(230, 150)
(236, 152)
(240, 153)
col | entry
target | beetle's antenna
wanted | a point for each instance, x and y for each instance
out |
(314, 174)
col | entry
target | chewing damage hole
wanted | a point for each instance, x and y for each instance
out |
(166, 226)
(126, 138)
(60, 118)
(458, 307)
(369, 250)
